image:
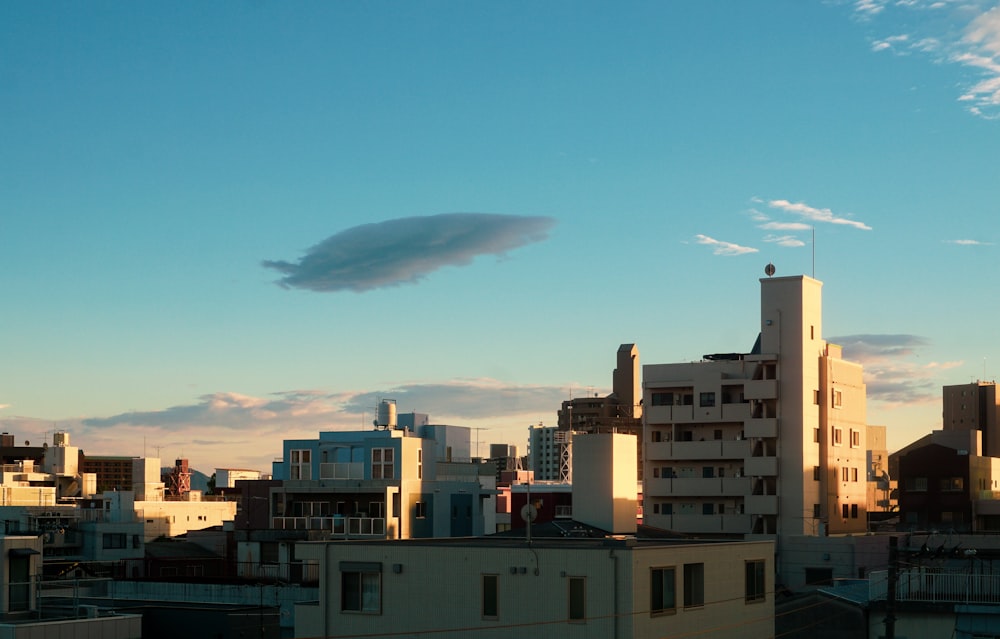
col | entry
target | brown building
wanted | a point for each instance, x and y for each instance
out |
(974, 407)
(113, 472)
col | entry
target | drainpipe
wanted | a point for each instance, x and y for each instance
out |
(614, 580)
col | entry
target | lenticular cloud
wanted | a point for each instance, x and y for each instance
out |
(405, 250)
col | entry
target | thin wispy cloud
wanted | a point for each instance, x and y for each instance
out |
(965, 33)
(784, 240)
(406, 250)
(720, 247)
(785, 226)
(813, 214)
(893, 371)
(968, 243)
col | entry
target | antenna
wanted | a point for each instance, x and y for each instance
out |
(814, 251)
(477, 438)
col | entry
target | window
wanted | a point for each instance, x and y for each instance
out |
(855, 438)
(490, 596)
(717, 434)
(707, 472)
(918, 484)
(656, 435)
(844, 473)
(952, 484)
(706, 399)
(708, 509)
(816, 435)
(843, 511)
(694, 585)
(301, 464)
(663, 399)
(361, 587)
(420, 463)
(656, 472)
(854, 474)
(836, 436)
(382, 463)
(854, 511)
(662, 592)
(816, 473)
(667, 508)
(420, 509)
(114, 540)
(577, 599)
(755, 589)
(838, 399)
(816, 511)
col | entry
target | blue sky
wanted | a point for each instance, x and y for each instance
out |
(230, 223)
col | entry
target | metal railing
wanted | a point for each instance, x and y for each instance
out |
(337, 526)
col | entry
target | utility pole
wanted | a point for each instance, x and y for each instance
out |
(890, 600)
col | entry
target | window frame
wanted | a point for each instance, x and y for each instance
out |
(754, 581)
(694, 585)
(658, 579)
(576, 599)
(354, 577)
(385, 462)
(490, 600)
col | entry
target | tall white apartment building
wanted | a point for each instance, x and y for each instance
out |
(768, 442)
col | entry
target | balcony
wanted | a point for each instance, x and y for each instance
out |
(735, 412)
(336, 526)
(711, 449)
(352, 470)
(761, 389)
(761, 504)
(934, 587)
(762, 427)
(761, 467)
(703, 524)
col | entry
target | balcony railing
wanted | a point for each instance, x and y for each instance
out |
(352, 470)
(336, 526)
(936, 587)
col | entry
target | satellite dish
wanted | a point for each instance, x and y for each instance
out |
(769, 269)
(529, 513)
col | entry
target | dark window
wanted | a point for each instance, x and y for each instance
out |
(490, 596)
(360, 591)
(420, 509)
(755, 585)
(844, 511)
(114, 540)
(662, 594)
(707, 509)
(854, 511)
(816, 473)
(577, 599)
(694, 585)
(706, 399)
(663, 399)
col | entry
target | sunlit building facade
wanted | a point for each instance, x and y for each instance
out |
(763, 443)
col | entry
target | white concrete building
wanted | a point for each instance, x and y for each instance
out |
(764, 443)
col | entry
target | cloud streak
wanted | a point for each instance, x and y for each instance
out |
(975, 45)
(968, 242)
(720, 247)
(406, 250)
(892, 370)
(813, 214)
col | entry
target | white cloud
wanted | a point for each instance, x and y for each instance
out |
(966, 34)
(720, 247)
(784, 240)
(968, 242)
(816, 215)
(893, 373)
(786, 226)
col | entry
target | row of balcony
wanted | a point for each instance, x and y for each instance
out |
(740, 524)
(336, 526)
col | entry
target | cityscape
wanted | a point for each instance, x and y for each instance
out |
(637, 320)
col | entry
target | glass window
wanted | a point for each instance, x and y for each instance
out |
(382, 466)
(694, 585)
(662, 593)
(706, 399)
(361, 591)
(577, 599)
(755, 588)
(490, 596)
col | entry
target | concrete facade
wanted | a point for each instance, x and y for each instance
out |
(556, 588)
(771, 442)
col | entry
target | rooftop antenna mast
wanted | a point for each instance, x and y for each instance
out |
(477, 437)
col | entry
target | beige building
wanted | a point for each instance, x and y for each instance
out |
(768, 442)
(564, 587)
